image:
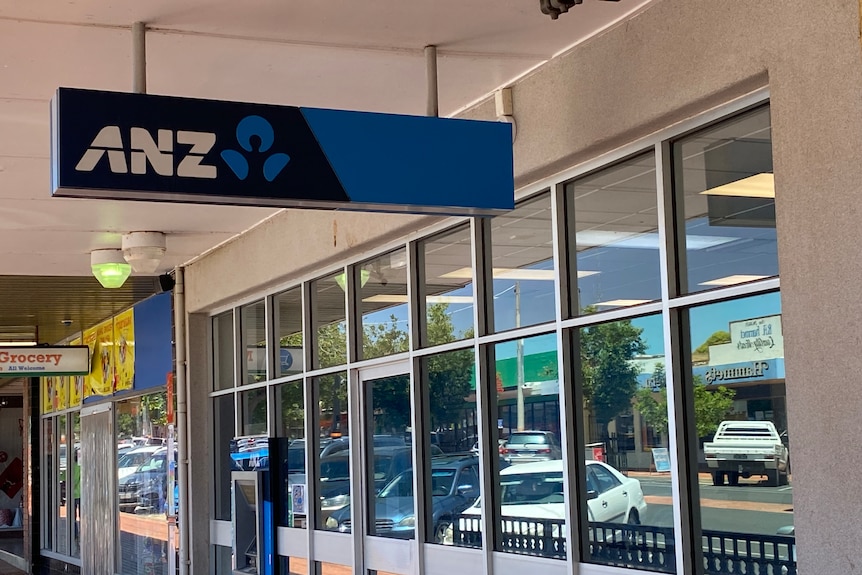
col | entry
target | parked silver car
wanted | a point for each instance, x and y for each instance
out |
(530, 446)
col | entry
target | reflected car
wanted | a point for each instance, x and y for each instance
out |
(131, 460)
(146, 490)
(454, 486)
(343, 444)
(535, 491)
(530, 446)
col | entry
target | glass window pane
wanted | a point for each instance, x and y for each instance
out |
(291, 426)
(392, 513)
(223, 425)
(48, 479)
(143, 489)
(288, 311)
(254, 418)
(616, 236)
(223, 373)
(726, 197)
(622, 377)
(453, 472)
(383, 301)
(254, 346)
(523, 265)
(76, 484)
(531, 493)
(64, 488)
(329, 315)
(331, 569)
(740, 408)
(332, 442)
(448, 284)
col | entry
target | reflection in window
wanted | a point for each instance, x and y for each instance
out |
(448, 287)
(726, 196)
(528, 403)
(143, 490)
(291, 431)
(523, 265)
(328, 315)
(333, 463)
(288, 314)
(616, 236)
(223, 376)
(76, 484)
(622, 367)
(62, 514)
(254, 418)
(737, 386)
(383, 301)
(453, 479)
(253, 322)
(223, 426)
(50, 466)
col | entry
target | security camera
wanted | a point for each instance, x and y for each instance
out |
(66, 322)
(554, 8)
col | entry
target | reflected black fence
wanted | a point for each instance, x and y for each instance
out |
(637, 546)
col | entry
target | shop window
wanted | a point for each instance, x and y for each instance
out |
(391, 509)
(290, 408)
(254, 342)
(735, 383)
(61, 512)
(142, 493)
(332, 446)
(383, 305)
(328, 314)
(523, 265)
(288, 317)
(615, 236)
(452, 471)
(254, 420)
(447, 283)
(621, 378)
(725, 198)
(49, 469)
(530, 496)
(223, 351)
(224, 414)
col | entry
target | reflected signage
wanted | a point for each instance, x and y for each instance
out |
(44, 361)
(143, 147)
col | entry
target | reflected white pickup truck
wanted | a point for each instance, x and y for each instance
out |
(746, 448)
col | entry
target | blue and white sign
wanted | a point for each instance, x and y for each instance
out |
(142, 147)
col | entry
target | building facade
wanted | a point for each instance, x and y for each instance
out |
(680, 254)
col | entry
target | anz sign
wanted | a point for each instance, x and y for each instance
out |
(143, 147)
(143, 150)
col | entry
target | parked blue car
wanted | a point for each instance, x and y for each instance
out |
(454, 487)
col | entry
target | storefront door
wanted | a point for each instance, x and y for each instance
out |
(98, 491)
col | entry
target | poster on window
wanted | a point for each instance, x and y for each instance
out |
(47, 384)
(61, 392)
(90, 337)
(102, 374)
(124, 350)
(76, 384)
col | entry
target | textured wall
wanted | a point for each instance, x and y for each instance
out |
(671, 61)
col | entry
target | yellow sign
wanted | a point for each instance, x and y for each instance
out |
(124, 350)
(90, 337)
(102, 376)
(76, 384)
(61, 392)
(47, 384)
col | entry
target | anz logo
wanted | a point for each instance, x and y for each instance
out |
(254, 135)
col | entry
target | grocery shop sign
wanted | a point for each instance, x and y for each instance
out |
(44, 361)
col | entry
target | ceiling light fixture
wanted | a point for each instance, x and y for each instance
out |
(144, 250)
(756, 186)
(109, 267)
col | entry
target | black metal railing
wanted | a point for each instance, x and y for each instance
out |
(638, 546)
(725, 552)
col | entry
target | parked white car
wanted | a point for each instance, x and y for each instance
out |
(131, 460)
(535, 491)
(746, 448)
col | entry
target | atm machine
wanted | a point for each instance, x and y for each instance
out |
(256, 504)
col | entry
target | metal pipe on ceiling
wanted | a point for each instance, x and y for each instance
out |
(139, 58)
(432, 104)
